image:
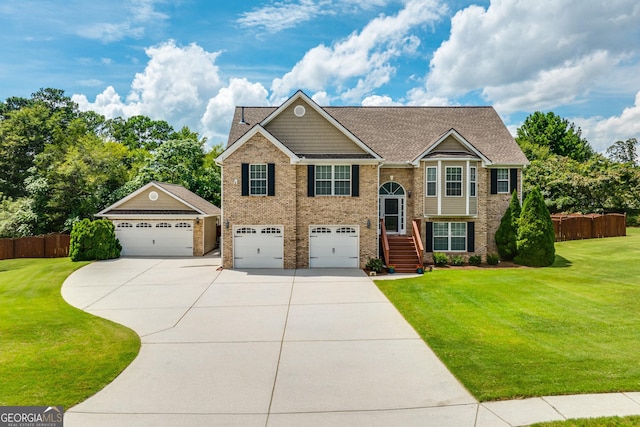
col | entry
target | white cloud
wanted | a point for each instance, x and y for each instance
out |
(601, 132)
(515, 47)
(321, 98)
(138, 14)
(90, 82)
(379, 101)
(217, 117)
(175, 86)
(365, 55)
(288, 14)
(283, 15)
(550, 87)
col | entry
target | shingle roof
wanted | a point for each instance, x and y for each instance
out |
(400, 134)
(189, 197)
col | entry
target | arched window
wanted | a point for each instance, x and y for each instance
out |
(391, 189)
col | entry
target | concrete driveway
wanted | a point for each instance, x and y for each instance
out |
(263, 348)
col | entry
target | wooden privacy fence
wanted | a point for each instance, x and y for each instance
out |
(46, 246)
(591, 226)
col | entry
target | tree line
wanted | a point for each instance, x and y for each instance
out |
(59, 164)
(571, 176)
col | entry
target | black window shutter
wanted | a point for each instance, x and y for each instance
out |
(494, 181)
(271, 179)
(513, 181)
(355, 180)
(471, 237)
(245, 179)
(311, 181)
(429, 237)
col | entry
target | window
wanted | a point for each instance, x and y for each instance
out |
(258, 180)
(454, 181)
(125, 225)
(449, 236)
(333, 180)
(472, 181)
(503, 181)
(271, 230)
(143, 225)
(183, 225)
(432, 182)
(163, 225)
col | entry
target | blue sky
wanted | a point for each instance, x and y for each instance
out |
(190, 62)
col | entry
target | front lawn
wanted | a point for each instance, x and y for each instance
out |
(509, 333)
(50, 352)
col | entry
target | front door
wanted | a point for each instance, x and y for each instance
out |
(392, 207)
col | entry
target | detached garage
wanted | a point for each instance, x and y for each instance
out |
(163, 219)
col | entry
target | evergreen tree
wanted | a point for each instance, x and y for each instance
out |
(536, 237)
(507, 233)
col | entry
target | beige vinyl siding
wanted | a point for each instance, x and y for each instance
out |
(164, 202)
(451, 144)
(451, 205)
(311, 133)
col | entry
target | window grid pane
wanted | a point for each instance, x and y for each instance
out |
(258, 180)
(323, 188)
(432, 181)
(454, 181)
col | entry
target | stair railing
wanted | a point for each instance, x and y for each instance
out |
(385, 240)
(417, 240)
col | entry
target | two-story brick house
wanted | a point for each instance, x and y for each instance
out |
(309, 186)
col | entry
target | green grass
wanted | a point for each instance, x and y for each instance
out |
(50, 352)
(633, 421)
(510, 333)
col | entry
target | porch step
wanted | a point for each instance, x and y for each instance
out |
(402, 254)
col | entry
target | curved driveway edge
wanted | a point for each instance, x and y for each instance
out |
(269, 348)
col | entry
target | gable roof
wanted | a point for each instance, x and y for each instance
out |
(248, 135)
(191, 200)
(402, 134)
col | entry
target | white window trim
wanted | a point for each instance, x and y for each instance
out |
(428, 182)
(449, 237)
(333, 181)
(446, 181)
(266, 179)
(498, 181)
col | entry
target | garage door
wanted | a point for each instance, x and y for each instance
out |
(258, 246)
(155, 238)
(333, 246)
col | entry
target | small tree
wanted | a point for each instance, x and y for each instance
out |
(507, 233)
(536, 237)
(94, 240)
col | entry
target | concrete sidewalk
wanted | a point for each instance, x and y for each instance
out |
(280, 348)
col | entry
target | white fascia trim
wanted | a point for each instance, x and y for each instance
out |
(461, 140)
(301, 95)
(398, 165)
(304, 161)
(168, 217)
(250, 134)
(105, 211)
(508, 165)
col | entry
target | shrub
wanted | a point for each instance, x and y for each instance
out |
(440, 259)
(93, 240)
(475, 260)
(493, 259)
(536, 238)
(374, 264)
(507, 232)
(457, 260)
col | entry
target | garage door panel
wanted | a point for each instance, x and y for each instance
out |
(333, 246)
(258, 247)
(155, 238)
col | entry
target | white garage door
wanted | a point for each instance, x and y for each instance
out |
(155, 238)
(333, 246)
(258, 246)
